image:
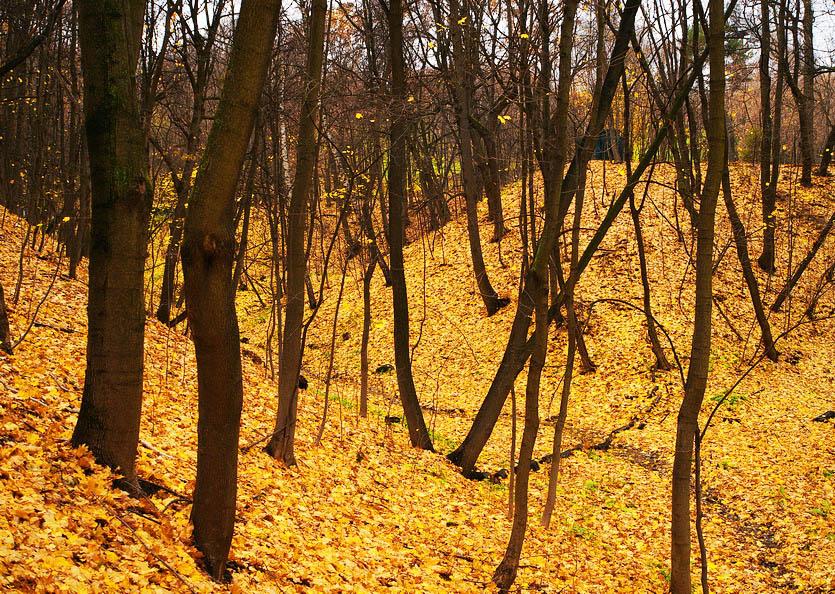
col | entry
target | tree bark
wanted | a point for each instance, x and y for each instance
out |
(697, 373)
(108, 422)
(282, 443)
(208, 253)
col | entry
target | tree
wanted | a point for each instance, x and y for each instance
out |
(519, 347)
(282, 443)
(5, 335)
(462, 87)
(203, 48)
(108, 422)
(418, 433)
(697, 373)
(208, 257)
(534, 297)
(807, 108)
(771, 115)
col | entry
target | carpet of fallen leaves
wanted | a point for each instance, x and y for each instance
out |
(363, 511)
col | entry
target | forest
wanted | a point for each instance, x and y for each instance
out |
(417, 296)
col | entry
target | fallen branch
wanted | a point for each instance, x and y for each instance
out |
(601, 446)
(607, 443)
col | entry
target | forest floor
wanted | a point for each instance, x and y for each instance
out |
(365, 512)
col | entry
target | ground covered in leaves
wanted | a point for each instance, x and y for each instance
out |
(363, 511)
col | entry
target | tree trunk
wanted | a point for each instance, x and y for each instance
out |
(80, 245)
(208, 253)
(697, 373)
(826, 156)
(745, 262)
(172, 251)
(282, 443)
(804, 264)
(418, 434)
(240, 259)
(472, 189)
(5, 334)
(661, 362)
(518, 348)
(108, 422)
(366, 330)
(807, 122)
(769, 197)
(492, 177)
(768, 255)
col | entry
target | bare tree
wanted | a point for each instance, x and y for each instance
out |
(208, 259)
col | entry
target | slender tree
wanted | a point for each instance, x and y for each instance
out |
(398, 205)
(462, 87)
(208, 257)
(282, 443)
(5, 334)
(697, 373)
(518, 347)
(807, 108)
(535, 295)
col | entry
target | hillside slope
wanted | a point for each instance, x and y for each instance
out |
(363, 511)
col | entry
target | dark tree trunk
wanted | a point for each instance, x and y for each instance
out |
(804, 264)
(282, 443)
(366, 331)
(657, 350)
(807, 109)
(240, 259)
(208, 257)
(518, 348)
(697, 373)
(472, 189)
(769, 197)
(172, 251)
(108, 422)
(492, 177)
(5, 333)
(772, 176)
(745, 262)
(80, 243)
(418, 433)
(826, 157)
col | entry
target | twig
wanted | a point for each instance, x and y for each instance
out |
(148, 549)
(157, 450)
(176, 500)
(43, 299)
(58, 382)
